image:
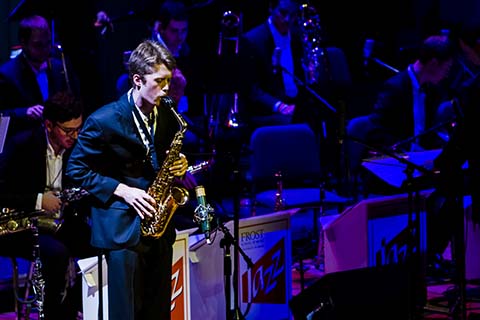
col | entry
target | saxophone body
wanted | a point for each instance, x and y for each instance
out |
(12, 220)
(167, 196)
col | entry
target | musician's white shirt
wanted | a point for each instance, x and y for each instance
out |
(54, 164)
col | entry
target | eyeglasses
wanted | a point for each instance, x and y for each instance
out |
(69, 131)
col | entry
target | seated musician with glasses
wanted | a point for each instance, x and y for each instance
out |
(32, 180)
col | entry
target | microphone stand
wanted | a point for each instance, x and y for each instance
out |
(383, 64)
(13, 13)
(413, 221)
(310, 90)
(341, 114)
(227, 241)
(424, 132)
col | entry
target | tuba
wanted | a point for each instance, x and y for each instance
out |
(166, 194)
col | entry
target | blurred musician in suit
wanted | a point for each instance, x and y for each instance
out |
(458, 163)
(268, 49)
(406, 106)
(31, 178)
(27, 80)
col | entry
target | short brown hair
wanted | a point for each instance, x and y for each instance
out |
(146, 56)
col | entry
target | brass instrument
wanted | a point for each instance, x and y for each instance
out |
(279, 199)
(230, 29)
(14, 221)
(313, 51)
(53, 222)
(167, 195)
(64, 65)
(204, 165)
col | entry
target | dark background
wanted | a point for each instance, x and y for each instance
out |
(397, 26)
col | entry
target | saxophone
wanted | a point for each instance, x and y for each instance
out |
(12, 220)
(53, 222)
(167, 195)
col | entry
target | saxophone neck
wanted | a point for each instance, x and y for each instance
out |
(171, 104)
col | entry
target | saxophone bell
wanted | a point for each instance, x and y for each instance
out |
(180, 195)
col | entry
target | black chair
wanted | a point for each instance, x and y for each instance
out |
(286, 173)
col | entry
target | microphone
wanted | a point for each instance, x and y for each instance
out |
(368, 51)
(203, 212)
(457, 108)
(276, 57)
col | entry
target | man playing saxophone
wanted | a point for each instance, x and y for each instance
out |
(122, 149)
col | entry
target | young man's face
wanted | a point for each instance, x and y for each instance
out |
(155, 85)
(64, 134)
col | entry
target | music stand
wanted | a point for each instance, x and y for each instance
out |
(392, 171)
(408, 166)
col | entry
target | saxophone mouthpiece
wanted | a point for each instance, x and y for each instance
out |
(168, 101)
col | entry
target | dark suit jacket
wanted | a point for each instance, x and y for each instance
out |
(110, 151)
(393, 112)
(265, 87)
(23, 169)
(19, 88)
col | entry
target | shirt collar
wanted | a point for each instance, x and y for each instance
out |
(50, 151)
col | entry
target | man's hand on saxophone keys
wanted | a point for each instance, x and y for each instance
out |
(50, 202)
(138, 199)
(179, 166)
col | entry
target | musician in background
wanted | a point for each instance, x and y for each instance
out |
(456, 180)
(268, 49)
(410, 114)
(116, 159)
(31, 178)
(170, 28)
(407, 105)
(27, 80)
